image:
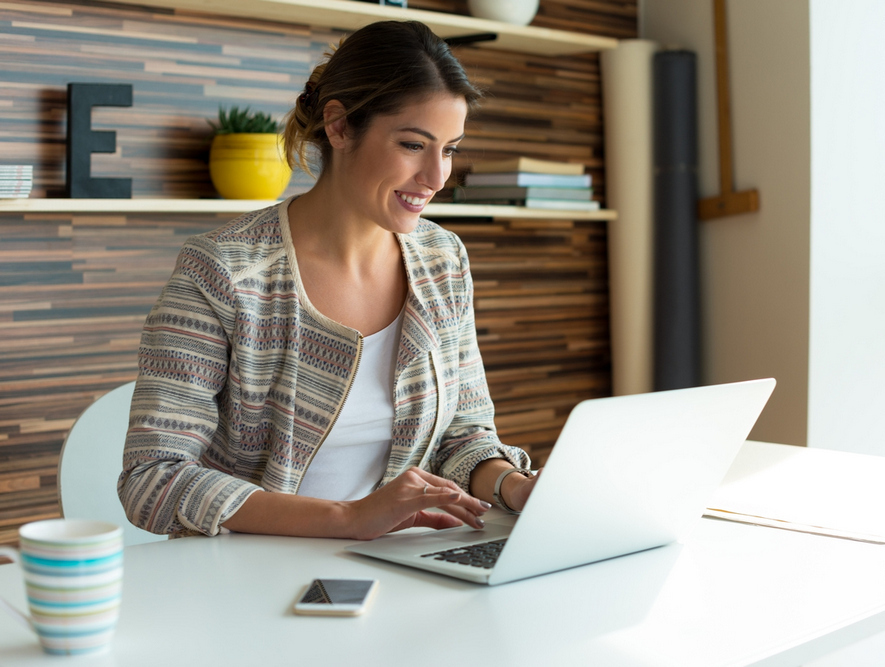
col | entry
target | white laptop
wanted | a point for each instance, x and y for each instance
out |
(627, 473)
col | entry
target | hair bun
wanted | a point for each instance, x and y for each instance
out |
(308, 98)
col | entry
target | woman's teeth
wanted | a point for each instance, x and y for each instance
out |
(414, 201)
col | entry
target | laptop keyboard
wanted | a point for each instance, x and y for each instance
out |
(482, 555)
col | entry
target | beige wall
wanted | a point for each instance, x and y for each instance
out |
(754, 267)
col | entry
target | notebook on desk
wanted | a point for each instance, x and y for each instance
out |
(627, 473)
(809, 490)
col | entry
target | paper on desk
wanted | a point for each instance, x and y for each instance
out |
(817, 491)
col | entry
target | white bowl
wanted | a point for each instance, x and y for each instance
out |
(517, 12)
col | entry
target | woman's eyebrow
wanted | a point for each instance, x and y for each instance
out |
(425, 133)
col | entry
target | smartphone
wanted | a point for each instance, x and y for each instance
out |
(337, 597)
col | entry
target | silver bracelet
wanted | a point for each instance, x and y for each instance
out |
(499, 499)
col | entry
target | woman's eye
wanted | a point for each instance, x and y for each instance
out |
(414, 147)
(450, 151)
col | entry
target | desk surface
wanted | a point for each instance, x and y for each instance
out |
(733, 594)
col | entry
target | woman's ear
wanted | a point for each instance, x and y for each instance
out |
(335, 123)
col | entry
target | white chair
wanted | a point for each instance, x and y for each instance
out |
(92, 460)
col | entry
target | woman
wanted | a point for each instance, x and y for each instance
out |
(312, 368)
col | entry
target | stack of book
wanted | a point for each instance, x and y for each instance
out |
(528, 182)
(16, 181)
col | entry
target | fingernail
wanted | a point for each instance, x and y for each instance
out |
(485, 505)
(480, 523)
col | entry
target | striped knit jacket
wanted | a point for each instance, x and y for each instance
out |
(241, 378)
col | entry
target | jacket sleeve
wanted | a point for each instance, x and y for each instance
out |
(168, 484)
(470, 437)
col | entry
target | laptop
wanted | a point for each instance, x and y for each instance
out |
(627, 473)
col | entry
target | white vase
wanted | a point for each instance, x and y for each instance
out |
(517, 12)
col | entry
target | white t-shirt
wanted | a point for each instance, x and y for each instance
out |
(353, 458)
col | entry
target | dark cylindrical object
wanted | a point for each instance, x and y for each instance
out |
(676, 272)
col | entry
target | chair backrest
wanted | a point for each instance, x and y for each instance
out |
(92, 460)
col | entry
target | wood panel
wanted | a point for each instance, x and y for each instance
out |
(74, 292)
(74, 288)
(541, 306)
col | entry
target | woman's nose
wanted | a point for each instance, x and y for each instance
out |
(435, 172)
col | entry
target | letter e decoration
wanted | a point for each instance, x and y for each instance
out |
(83, 141)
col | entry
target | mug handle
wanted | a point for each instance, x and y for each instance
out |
(12, 555)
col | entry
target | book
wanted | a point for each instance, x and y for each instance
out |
(463, 194)
(550, 204)
(562, 204)
(527, 164)
(525, 179)
(16, 171)
(15, 192)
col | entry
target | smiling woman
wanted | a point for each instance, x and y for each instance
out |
(312, 368)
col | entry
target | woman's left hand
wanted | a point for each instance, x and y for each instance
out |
(518, 493)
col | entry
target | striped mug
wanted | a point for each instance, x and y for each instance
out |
(73, 572)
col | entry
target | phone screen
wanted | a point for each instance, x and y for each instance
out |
(337, 591)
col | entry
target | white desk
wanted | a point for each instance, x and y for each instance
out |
(733, 594)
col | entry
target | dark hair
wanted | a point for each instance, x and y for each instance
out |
(377, 70)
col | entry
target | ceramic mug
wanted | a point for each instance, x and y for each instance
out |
(73, 572)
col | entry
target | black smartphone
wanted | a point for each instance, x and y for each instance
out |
(337, 597)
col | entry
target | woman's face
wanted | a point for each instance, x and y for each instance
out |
(402, 160)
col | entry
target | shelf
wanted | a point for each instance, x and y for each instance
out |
(350, 15)
(236, 206)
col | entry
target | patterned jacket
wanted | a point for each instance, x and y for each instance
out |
(241, 378)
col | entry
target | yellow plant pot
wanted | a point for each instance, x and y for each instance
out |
(248, 166)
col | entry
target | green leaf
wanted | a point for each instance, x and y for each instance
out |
(236, 120)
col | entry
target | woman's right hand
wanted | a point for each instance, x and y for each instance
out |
(403, 503)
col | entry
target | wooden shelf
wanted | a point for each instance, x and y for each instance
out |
(236, 206)
(350, 15)
(346, 15)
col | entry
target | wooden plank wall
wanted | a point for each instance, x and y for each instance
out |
(74, 292)
(74, 289)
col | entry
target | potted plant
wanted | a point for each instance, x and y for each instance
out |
(246, 160)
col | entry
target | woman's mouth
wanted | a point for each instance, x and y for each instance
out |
(412, 203)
